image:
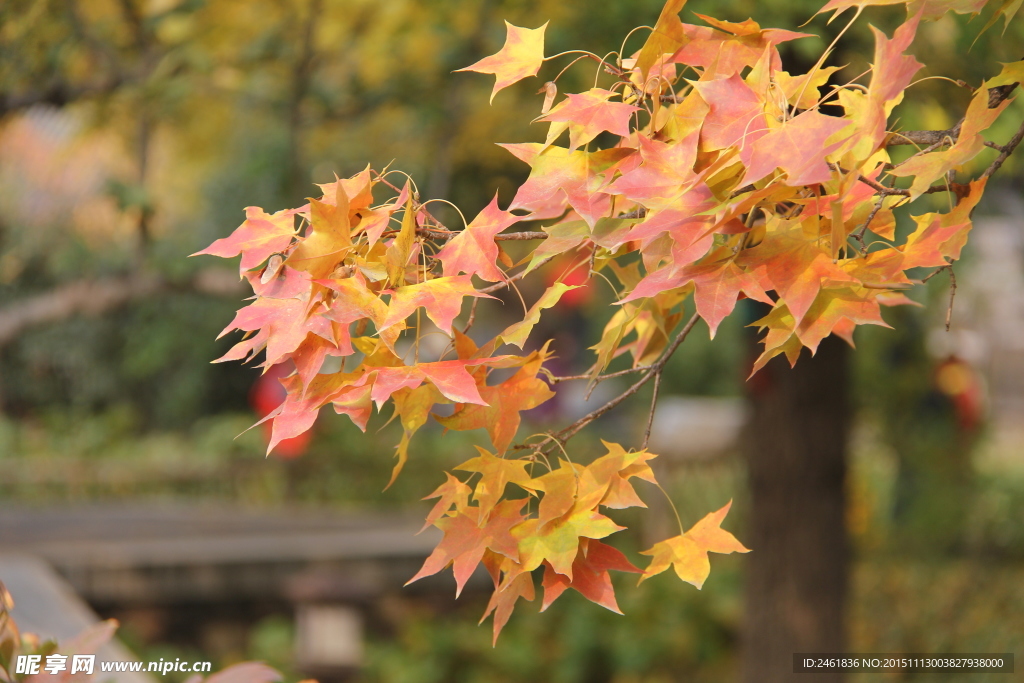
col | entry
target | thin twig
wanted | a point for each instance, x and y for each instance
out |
(573, 429)
(650, 416)
(934, 273)
(1007, 150)
(556, 379)
(859, 235)
(952, 295)
(472, 315)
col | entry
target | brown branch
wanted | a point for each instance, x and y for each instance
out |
(528, 235)
(936, 138)
(924, 137)
(1007, 150)
(555, 379)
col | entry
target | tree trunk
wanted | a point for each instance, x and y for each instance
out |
(796, 577)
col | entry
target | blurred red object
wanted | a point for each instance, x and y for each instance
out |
(572, 271)
(266, 395)
(957, 379)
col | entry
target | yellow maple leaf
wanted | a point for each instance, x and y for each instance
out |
(688, 553)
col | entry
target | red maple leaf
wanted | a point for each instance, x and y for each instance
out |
(589, 575)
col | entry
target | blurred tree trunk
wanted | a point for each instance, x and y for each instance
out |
(796, 577)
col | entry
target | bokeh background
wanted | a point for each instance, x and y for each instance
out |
(134, 132)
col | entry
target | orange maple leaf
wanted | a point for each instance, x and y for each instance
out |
(473, 250)
(504, 599)
(500, 417)
(452, 493)
(736, 118)
(722, 55)
(581, 175)
(717, 287)
(557, 541)
(467, 537)
(520, 57)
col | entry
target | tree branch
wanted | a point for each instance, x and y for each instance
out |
(655, 369)
(96, 297)
(528, 235)
(1007, 150)
(555, 379)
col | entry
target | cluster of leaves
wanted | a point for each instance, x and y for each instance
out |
(703, 168)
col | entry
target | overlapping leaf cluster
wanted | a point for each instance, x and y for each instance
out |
(701, 168)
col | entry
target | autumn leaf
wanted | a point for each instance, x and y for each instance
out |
(517, 333)
(736, 118)
(401, 248)
(590, 577)
(452, 493)
(836, 308)
(795, 266)
(495, 474)
(666, 37)
(500, 417)
(330, 237)
(466, 537)
(930, 9)
(557, 541)
(688, 553)
(665, 182)
(939, 237)
(520, 57)
(286, 321)
(892, 72)
(927, 168)
(474, 250)
(562, 237)
(606, 479)
(260, 236)
(589, 114)
(441, 298)
(717, 286)
(798, 147)
(722, 55)
(581, 175)
(504, 600)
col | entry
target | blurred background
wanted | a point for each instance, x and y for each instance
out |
(134, 132)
